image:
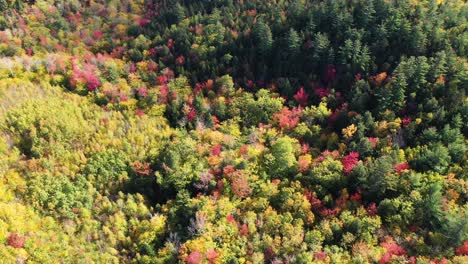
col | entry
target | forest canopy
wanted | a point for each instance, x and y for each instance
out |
(232, 131)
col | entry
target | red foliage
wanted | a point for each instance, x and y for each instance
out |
(358, 76)
(249, 83)
(228, 170)
(123, 98)
(276, 181)
(244, 231)
(194, 258)
(162, 79)
(333, 154)
(152, 51)
(170, 43)
(406, 121)
(373, 141)
(15, 240)
(378, 79)
(216, 150)
(163, 93)
(211, 255)
(152, 9)
(320, 255)
(443, 261)
(399, 168)
(462, 250)
(29, 52)
(320, 92)
(209, 84)
(372, 209)
(243, 150)
(252, 12)
(97, 34)
(301, 97)
(75, 19)
(230, 218)
(326, 212)
(198, 88)
(413, 228)
(142, 91)
(215, 172)
(305, 148)
(215, 120)
(139, 112)
(333, 117)
(219, 185)
(349, 161)
(152, 66)
(269, 254)
(392, 249)
(3, 37)
(87, 76)
(132, 68)
(143, 22)
(288, 119)
(180, 60)
(215, 194)
(173, 96)
(43, 40)
(356, 197)
(315, 202)
(191, 114)
(142, 168)
(239, 184)
(303, 165)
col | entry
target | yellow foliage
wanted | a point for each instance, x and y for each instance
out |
(349, 131)
(213, 160)
(304, 162)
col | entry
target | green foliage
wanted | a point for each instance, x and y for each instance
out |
(328, 174)
(59, 196)
(281, 161)
(375, 177)
(263, 38)
(256, 109)
(6, 5)
(356, 56)
(179, 166)
(108, 171)
(53, 128)
(434, 157)
(397, 211)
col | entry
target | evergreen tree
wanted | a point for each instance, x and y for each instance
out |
(262, 38)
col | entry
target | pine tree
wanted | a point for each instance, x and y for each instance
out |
(294, 42)
(398, 92)
(263, 39)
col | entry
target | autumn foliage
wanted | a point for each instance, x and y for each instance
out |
(294, 131)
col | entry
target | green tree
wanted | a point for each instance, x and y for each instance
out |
(262, 38)
(254, 110)
(107, 171)
(434, 157)
(281, 161)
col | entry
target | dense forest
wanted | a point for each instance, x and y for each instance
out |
(234, 131)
